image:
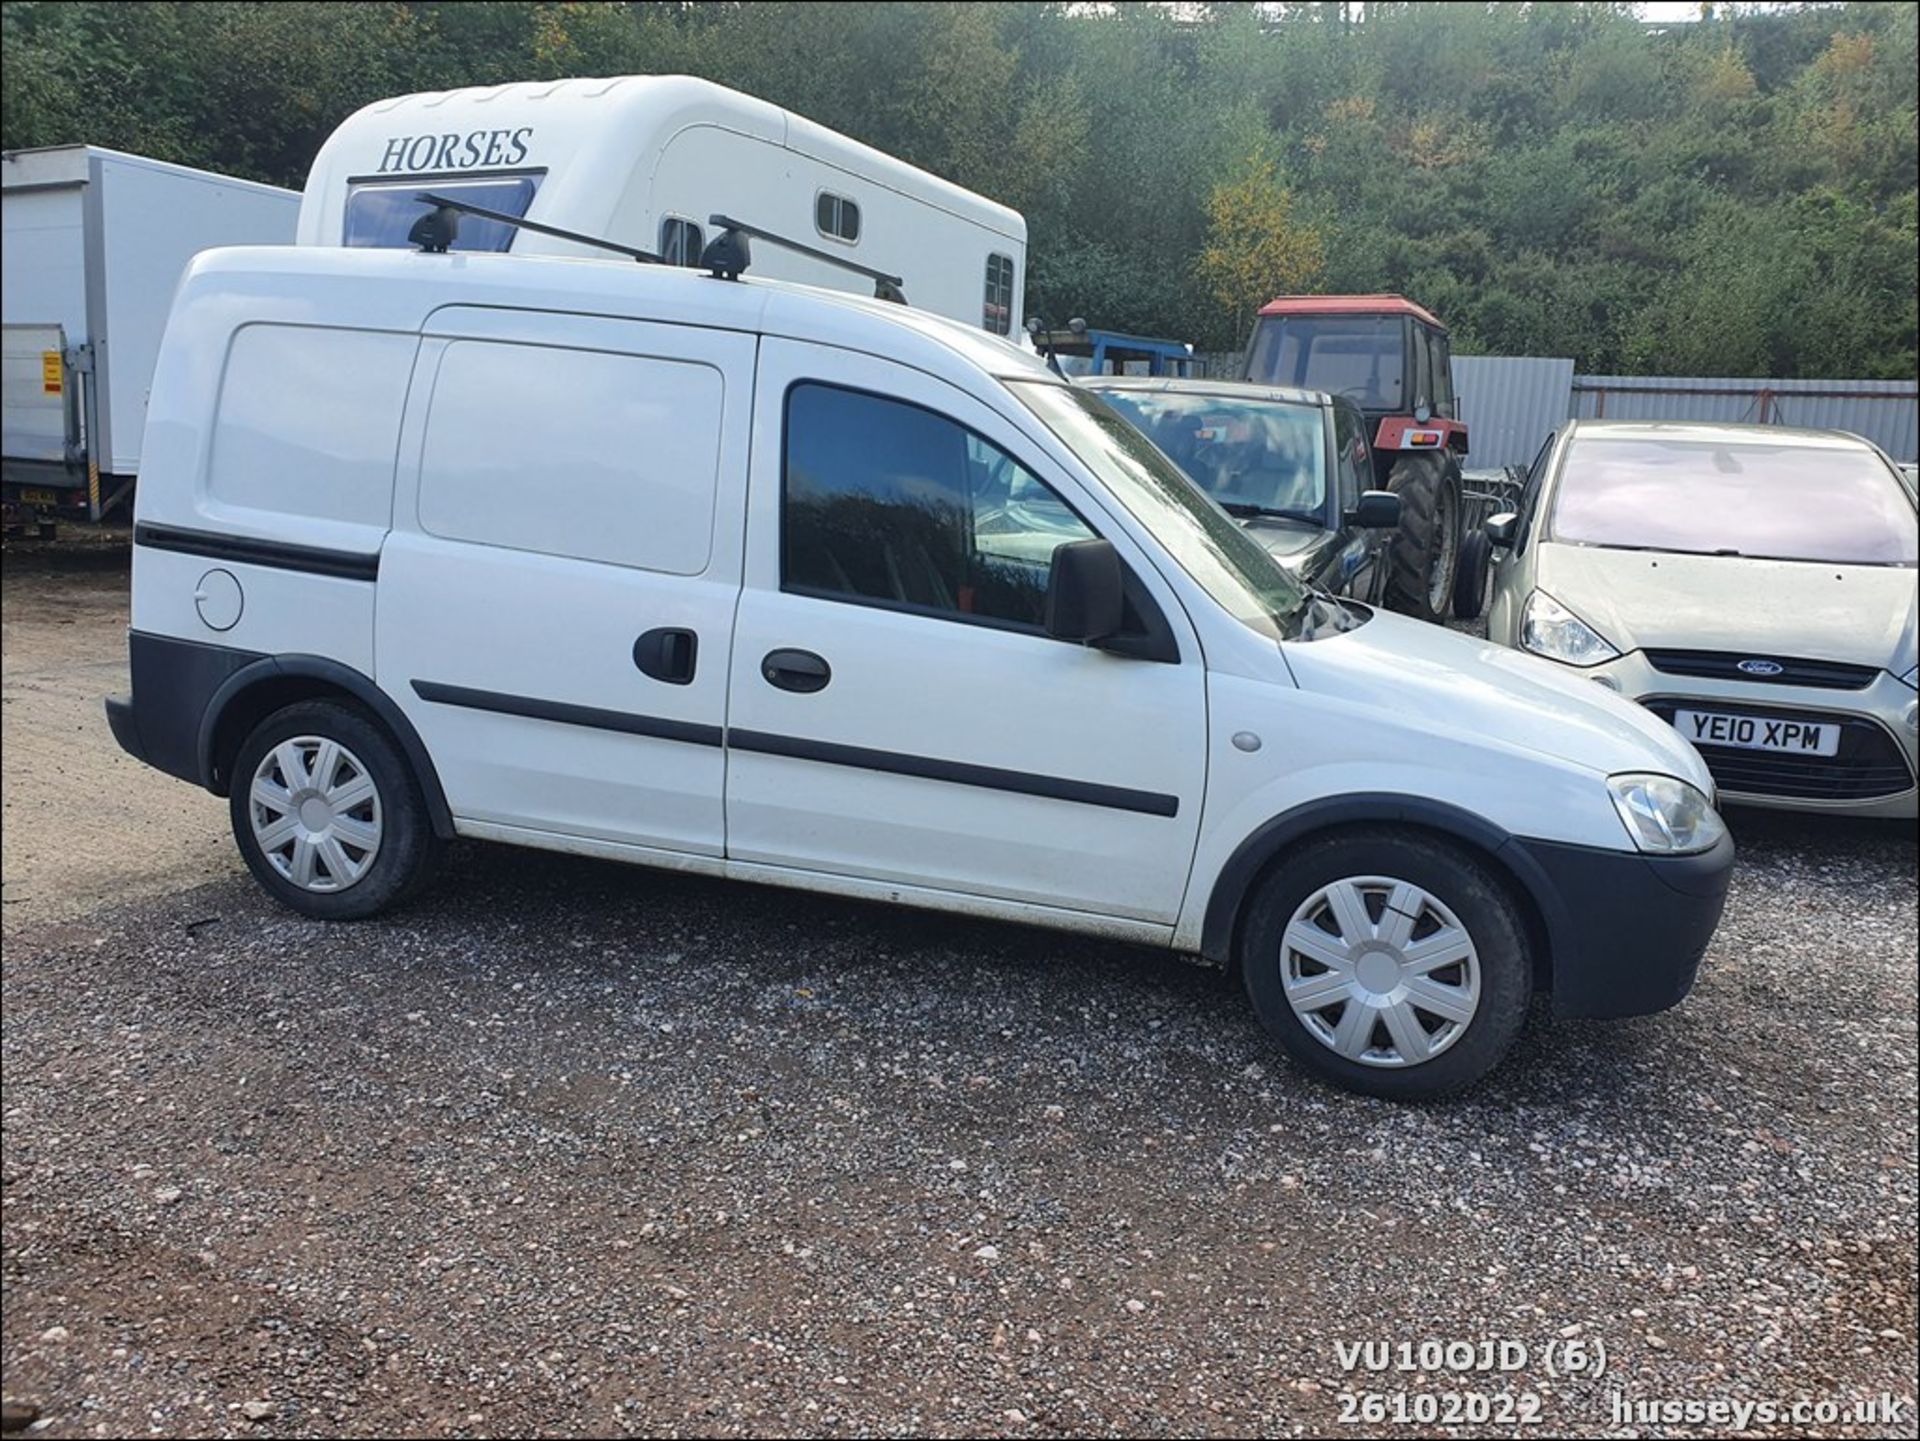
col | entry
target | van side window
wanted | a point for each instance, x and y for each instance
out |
(836, 217)
(885, 503)
(681, 241)
(998, 315)
(586, 454)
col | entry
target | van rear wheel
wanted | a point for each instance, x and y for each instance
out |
(328, 815)
(1389, 964)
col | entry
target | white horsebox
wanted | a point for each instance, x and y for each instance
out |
(647, 160)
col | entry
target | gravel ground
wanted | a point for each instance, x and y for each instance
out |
(569, 1148)
(84, 823)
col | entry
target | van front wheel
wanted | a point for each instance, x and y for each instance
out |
(327, 814)
(1389, 964)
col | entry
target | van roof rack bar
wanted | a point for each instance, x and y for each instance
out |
(464, 207)
(885, 286)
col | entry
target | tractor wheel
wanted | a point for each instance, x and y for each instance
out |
(1425, 551)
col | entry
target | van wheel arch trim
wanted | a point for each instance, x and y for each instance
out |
(1226, 902)
(360, 688)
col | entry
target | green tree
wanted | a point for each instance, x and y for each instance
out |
(1257, 245)
(1736, 194)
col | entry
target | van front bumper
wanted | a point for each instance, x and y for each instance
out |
(1626, 931)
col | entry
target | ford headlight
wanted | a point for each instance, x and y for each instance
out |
(1548, 628)
(1665, 815)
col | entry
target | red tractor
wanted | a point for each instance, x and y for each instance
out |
(1391, 358)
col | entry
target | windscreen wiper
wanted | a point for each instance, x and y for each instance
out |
(1242, 510)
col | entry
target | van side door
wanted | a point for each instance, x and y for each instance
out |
(898, 712)
(556, 598)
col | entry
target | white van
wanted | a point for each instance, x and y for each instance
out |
(796, 587)
(647, 160)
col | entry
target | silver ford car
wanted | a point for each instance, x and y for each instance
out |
(1754, 586)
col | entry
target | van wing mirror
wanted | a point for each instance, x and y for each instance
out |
(1377, 510)
(1085, 592)
(1502, 528)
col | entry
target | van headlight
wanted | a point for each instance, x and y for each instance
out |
(1548, 628)
(1664, 815)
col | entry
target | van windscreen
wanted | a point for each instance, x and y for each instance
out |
(380, 213)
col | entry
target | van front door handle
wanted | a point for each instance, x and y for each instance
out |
(796, 670)
(667, 654)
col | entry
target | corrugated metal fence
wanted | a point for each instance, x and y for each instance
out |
(1512, 403)
(1887, 412)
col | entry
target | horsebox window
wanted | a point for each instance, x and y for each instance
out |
(836, 217)
(998, 316)
(681, 241)
(380, 213)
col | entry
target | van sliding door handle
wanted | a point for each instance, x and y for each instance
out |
(667, 654)
(796, 670)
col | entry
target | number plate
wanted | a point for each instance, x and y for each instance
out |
(1757, 733)
(39, 497)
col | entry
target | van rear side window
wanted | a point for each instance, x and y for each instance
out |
(576, 453)
(307, 422)
(380, 213)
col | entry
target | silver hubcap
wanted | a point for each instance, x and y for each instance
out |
(315, 813)
(1380, 972)
(1440, 581)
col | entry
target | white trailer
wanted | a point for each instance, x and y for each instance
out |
(92, 244)
(646, 160)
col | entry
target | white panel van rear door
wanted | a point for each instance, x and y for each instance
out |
(556, 598)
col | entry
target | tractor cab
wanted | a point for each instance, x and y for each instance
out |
(1386, 354)
(1391, 358)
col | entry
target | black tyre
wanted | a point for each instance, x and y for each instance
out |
(1425, 550)
(1471, 580)
(1391, 964)
(328, 814)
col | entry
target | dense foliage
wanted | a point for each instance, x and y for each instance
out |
(1734, 196)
